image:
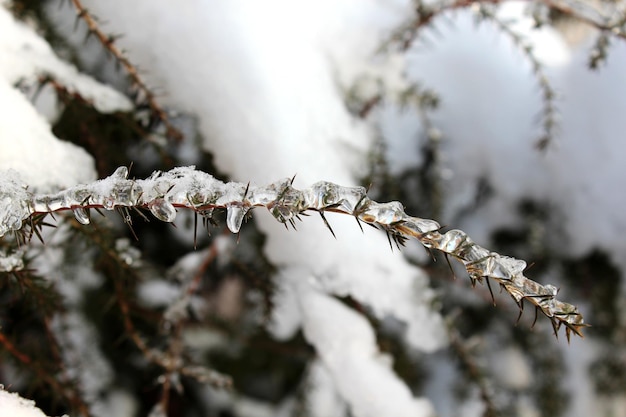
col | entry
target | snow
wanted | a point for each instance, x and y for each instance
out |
(347, 346)
(488, 102)
(322, 399)
(26, 56)
(12, 405)
(28, 146)
(588, 170)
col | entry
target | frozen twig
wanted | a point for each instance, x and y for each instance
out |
(185, 187)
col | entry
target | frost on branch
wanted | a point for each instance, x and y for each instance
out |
(186, 187)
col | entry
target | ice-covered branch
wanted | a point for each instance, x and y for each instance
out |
(186, 187)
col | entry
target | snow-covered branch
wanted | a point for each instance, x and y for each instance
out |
(186, 187)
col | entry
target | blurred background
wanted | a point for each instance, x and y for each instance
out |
(503, 119)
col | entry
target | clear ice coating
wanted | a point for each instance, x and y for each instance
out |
(384, 213)
(288, 204)
(15, 202)
(263, 196)
(120, 172)
(416, 227)
(184, 186)
(11, 215)
(162, 210)
(49, 203)
(451, 241)
(82, 215)
(234, 217)
(504, 267)
(321, 195)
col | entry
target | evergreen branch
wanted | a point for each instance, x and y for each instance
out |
(611, 21)
(185, 187)
(108, 42)
(549, 122)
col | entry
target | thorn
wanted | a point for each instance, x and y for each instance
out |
(521, 310)
(245, 193)
(389, 239)
(555, 325)
(431, 254)
(358, 221)
(124, 212)
(399, 240)
(292, 179)
(372, 225)
(195, 230)
(535, 320)
(493, 300)
(328, 224)
(446, 255)
(529, 266)
(140, 213)
(36, 231)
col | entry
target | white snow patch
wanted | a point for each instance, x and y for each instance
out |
(347, 347)
(26, 55)
(28, 146)
(323, 400)
(12, 405)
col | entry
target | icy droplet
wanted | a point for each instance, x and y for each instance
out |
(417, 227)
(125, 193)
(384, 213)
(321, 195)
(350, 198)
(506, 268)
(471, 252)
(121, 172)
(109, 203)
(82, 215)
(283, 213)
(234, 217)
(163, 210)
(452, 240)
